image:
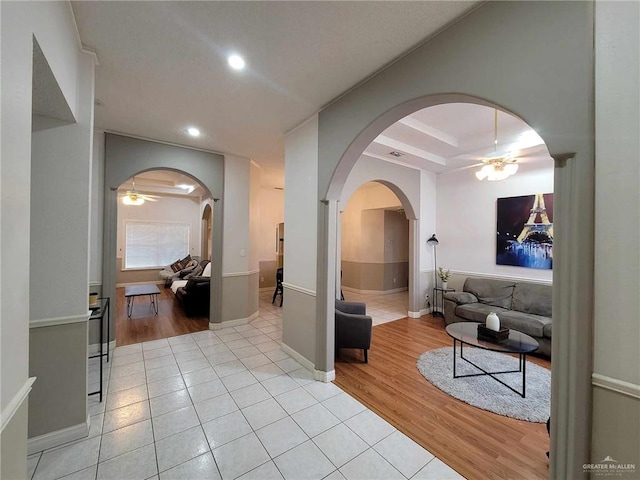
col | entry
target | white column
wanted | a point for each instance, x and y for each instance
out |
(572, 344)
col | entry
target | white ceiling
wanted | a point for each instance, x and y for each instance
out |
(454, 136)
(163, 68)
(164, 183)
(163, 64)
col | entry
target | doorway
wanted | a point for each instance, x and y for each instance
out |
(164, 217)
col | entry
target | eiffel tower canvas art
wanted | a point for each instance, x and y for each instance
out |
(525, 231)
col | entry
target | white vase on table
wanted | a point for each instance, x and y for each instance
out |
(493, 322)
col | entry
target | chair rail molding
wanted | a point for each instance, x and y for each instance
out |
(296, 288)
(615, 385)
(240, 274)
(18, 399)
(51, 322)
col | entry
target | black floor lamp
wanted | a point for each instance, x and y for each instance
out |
(433, 242)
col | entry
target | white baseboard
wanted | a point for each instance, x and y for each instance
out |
(318, 375)
(59, 437)
(375, 292)
(325, 377)
(94, 348)
(423, 311)
(306, 363)
(234, 323)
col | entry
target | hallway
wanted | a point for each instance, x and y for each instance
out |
(230, 404)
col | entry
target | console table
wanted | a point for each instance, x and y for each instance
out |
(101, 312)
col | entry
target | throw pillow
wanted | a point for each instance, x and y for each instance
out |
(207, 270)
(185, 260)
(193, 273)
(176, 266)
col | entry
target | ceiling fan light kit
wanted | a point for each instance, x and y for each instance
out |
(134, 198)
(497, 168)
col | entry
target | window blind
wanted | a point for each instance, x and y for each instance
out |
(155, 244)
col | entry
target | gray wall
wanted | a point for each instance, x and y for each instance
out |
(125, 157)
(616, 378)
(240, 293)
(268, 273)
(375, 277)
(547, 50)
(55, 357)
(136, 276)
(14, 445)
(59, 267)
(383, 251)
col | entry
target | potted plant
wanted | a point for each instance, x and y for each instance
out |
(444, 275)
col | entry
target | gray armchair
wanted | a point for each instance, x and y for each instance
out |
(353, 327)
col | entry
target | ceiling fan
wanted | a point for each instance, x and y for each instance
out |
(133, 197)
(498, 166)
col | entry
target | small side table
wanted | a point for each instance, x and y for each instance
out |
(438, 300)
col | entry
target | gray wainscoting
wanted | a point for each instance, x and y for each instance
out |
(239, 296)
(375, 276)
(59, 396)
(299, 317)
(14, 445)
(268, 273)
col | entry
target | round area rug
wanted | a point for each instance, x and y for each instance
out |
(484, 392)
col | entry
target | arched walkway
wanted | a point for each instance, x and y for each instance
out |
(126, 157)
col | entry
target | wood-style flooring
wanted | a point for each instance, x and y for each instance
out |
(476, 443)
(144, 325)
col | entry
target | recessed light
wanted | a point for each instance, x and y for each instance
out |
(395, 154)
(236, 62)
(193, 131)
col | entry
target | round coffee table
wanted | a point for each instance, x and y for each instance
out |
(466, 333)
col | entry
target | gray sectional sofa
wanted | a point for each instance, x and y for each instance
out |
(523, 306)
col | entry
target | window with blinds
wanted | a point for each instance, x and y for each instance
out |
(155, 244)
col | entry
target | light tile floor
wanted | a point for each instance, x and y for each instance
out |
(382, 307)
(230, 404)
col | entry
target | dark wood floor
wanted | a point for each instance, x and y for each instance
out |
(144, 325)
(476, 443)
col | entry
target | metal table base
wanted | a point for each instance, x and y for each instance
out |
(522, 368)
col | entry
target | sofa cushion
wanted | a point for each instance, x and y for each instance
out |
(547, 329)
(460, 297)
(193, 282)
(194, 273)
(477, 312)
(492, 292)
(524, 322)
(532, 298)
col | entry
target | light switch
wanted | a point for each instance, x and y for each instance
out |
(243, 252)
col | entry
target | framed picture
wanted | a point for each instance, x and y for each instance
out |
(525, 231)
